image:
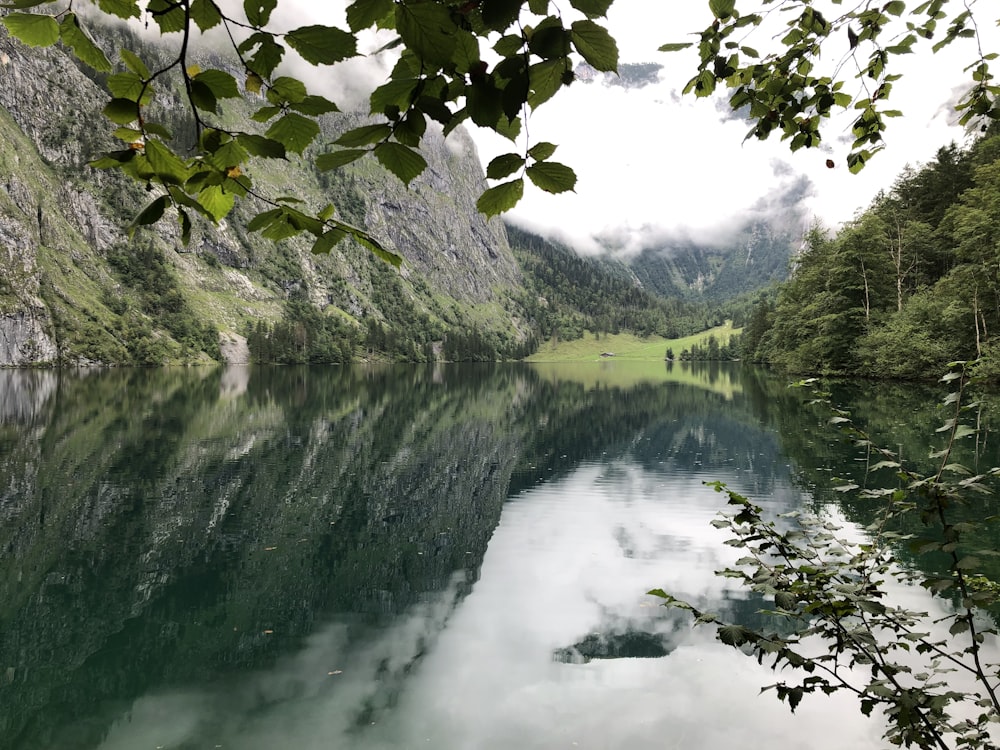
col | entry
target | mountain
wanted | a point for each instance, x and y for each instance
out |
(76, 290)
(757, 256)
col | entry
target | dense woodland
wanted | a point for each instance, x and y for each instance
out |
(911, 284)
(566, 294)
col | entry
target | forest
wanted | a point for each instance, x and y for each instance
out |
(909, 285)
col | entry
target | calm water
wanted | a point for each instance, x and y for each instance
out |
(448, 557)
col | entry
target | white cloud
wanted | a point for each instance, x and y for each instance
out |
(655, 167)
(652, 164)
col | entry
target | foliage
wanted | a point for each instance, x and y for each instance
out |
(149, 294)
(834, 622)
(712, 351)
(908, 286)
(566, 295)
(305, 335)
(790, 91)
(441, 51)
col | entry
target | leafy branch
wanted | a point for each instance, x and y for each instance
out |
(840, 630)
(783, 92)
(440, 75)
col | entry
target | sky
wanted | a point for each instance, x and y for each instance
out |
(657, 169)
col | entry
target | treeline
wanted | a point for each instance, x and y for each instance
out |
(911, 284)
(147, 299)
(307, 335)
(566, 294)
(712, 350)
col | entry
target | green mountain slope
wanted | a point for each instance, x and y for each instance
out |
(76, 289)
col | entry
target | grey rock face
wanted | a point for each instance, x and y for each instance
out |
(62, 299)
(24, 340)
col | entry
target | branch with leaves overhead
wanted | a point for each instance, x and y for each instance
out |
(441, 74)
(782, 91)
(485, 62)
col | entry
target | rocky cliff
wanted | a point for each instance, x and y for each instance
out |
(75, 290)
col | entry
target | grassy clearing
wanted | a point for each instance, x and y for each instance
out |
(626, 346)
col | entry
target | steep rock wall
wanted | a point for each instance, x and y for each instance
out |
(62, 225)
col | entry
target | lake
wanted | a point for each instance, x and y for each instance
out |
(452, 557)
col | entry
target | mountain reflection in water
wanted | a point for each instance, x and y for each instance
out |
(450, 557)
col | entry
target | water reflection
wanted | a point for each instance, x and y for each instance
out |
(314, 557)
(483, 675)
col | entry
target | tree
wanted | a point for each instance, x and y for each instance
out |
(443, 72)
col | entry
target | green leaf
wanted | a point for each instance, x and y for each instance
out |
(542, 151)
(552, 177)
(968, 563)
(592, 8)
(185, 222)
(499, 15)
(168, 14)
(722, 8)
(168, 167)
(484, 102)
(504, 166)
(675, 46)
(150, 214)
(550, 40)
(326, 241)
(129, 135)
(335, 159)
(315, 106)
(265, 113)
(259, 11)
(322, 45)
(509, 45)
(894, 7)
(364, 13)
(545, 77)
(205, 14)
(396, 93)
(427, 30)
(263, 219)
(735, 635)
(364, 136)
(134, 63)
(374, 246)
(402, 161)
(286, 89)
(501, 198)
(113, 159)
(216, 201)
(129, 86)
(509, 129)
(221, 84)
(122, 8)
(258, 145)
(35, 30)
(202, 97)
(269, 53)
(121, 111)
(294, 131)
(74, 37)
